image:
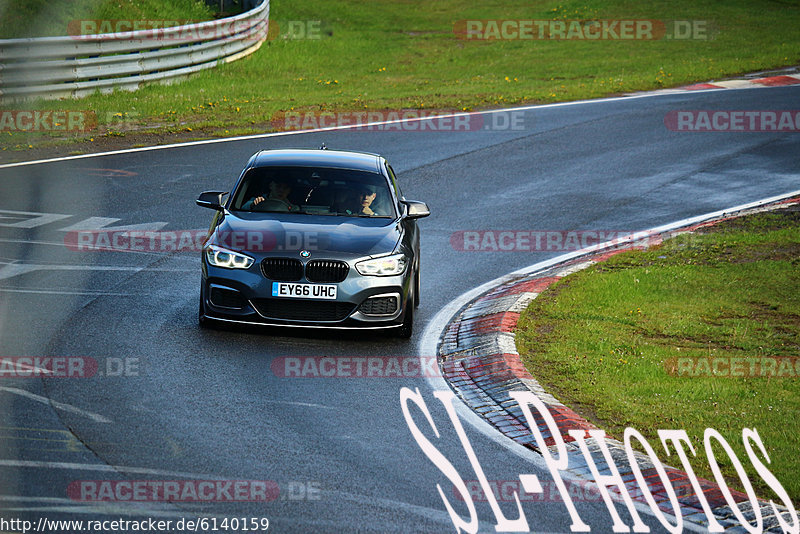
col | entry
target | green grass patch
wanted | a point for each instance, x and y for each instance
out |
(49, 18)
(601, 340)
(405, 55)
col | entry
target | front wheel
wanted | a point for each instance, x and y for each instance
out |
(407, 328)
(201, 313)
(417, 277)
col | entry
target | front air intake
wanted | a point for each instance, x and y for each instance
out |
(330, 271)
(282, 269)
(379, 305)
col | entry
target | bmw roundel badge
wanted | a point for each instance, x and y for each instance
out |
(305, 253)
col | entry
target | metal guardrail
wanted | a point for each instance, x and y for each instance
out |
(75, 66)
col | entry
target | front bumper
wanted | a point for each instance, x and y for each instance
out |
(244, 296)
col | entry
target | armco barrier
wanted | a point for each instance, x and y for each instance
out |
(77, 66)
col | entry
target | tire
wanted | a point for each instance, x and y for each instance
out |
(201, 314)
(417, 284)
(407, 328)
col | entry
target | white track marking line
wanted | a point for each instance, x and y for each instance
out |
(10, 270)
(106, 468)
(88, 250)
(34, 242)
(344, 127)
(98, 224)
(304, 404)
(57, 405)
(35, 220)
(64, 292)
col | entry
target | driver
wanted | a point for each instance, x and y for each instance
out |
(276, 200)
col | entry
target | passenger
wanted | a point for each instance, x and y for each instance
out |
(365, 197)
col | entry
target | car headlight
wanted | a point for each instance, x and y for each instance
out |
(385, 266)
(222, 257)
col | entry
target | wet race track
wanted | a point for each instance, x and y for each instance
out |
(169, 401)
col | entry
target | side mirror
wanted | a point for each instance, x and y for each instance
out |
(415, 209)
(211, 199)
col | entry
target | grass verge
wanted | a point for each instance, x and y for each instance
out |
(388, 55)
(49, 18)
(605, 341)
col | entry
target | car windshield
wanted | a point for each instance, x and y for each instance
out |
(314, 190)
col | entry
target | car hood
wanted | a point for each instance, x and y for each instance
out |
(276, 234)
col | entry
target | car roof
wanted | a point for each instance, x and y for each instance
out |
(340, 159)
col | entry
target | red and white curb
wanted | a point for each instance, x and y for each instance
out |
(479, 360)
(742, 83)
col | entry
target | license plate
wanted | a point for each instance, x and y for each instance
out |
(303, 291)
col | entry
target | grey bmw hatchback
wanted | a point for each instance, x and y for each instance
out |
(313, 238)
